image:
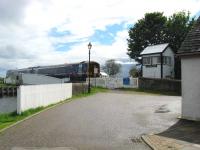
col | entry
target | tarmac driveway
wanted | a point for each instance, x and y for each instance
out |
(105, 121)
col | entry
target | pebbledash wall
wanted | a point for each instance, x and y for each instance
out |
(33, 96)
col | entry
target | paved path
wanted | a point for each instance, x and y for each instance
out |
(104, 121)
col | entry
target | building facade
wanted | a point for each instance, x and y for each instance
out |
(190, 64)
(158, 61)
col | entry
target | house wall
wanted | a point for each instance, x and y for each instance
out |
(168, 70)
(151, 72)
(190, 88)
(33, 96)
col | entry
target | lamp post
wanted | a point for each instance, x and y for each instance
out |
(89, 48)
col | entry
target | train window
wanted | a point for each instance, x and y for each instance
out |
(79, 68)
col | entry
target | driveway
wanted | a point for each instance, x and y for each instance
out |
(105, 121)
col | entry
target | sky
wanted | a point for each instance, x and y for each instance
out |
(46, 32)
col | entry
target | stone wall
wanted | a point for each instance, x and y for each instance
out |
(160, 85)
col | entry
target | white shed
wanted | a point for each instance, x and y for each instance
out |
(190, 64)
(158, 61)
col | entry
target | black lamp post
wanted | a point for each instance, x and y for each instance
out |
(89, 48)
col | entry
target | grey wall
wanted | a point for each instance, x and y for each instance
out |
(191, 88)
(160, 85)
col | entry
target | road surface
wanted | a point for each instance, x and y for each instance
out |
(105, 121)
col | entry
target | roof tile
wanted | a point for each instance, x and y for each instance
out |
(192, 40)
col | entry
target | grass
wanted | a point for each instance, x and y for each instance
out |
(11, 118)
(7, 85)
(154, 92)
(93, 91)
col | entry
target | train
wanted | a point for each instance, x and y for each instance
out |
(76, 72)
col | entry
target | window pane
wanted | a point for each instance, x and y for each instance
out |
(158, 60)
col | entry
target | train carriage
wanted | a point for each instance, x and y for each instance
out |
(77, 72)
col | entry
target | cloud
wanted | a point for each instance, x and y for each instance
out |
(43, 32)
(12, 11)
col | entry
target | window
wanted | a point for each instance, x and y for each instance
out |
(166, 60)
(158, 60)
(147, 61)
(80, 68)
(153, 60)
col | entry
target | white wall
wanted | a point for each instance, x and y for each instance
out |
(168, 70)
(33, 96)
(113, 83)
(191, 88)
(151, 72)
(155, 72)
(40, 79)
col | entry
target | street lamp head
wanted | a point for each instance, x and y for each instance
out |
(89, 46)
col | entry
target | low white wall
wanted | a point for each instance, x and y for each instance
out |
(33, 96)
(191, 88)
(113, 83)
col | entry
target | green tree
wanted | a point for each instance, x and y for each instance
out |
(155, 28)
(111, 67)
(178, 25)
(147, 31)
(134, 72)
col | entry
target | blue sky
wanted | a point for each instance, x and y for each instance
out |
(36, 32)
(104, 36)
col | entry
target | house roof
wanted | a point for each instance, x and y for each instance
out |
(154, 49)
(191, 44)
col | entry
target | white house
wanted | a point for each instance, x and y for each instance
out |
(158, 61)
(190, 64)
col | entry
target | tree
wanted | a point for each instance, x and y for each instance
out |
(178, 25)
(147, 31)
(134, 72)
(155, 28)
(111, 67)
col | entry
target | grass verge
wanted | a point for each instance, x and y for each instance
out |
(93, 91)
(7, 85)
(154, 92)
(9, 119)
